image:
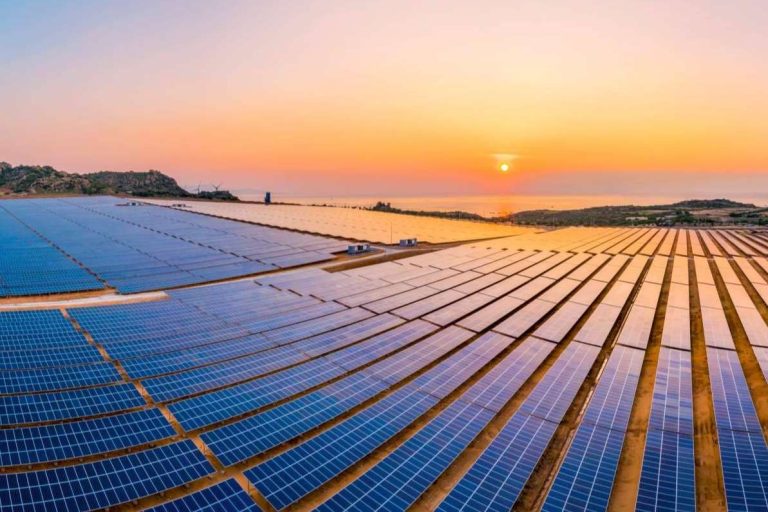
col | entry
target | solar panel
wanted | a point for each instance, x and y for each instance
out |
(561, 322)
(588, 293)
(523, 319)
(552, 396)
(598, 325)
(632, 271)
(648, 295)
(677, 329)
(754, 326)
(656, 271)
(744, 457)
(397, 481)
(667, 481)
(708, 296)
(717, 333)
(730, 393)
(703, 272)
(585, 478)
(762, 359)
(611, 402)
(229, 402)
(611, 269)
(739, 296)
(374, 295)
(454, 281)
(452, 312)
(532, 288)
(256, 434)
(495, 480)
(52, 379)
(57, 442)
(478, 284)
(294, 473)
(743, 451)
(497, 477)
(490, 314)
(618, 294)
(678, 296)
(681, 246)
(224, 497)
(427, 305)
(158, 248)
(560, 290)
(104, 483)
(21, 409)
(636, 330)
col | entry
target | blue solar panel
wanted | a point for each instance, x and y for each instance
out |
(229, 402)
(216, 375)
(672, 407)
(156, 247)
(45, 357)
(611, 402)
(30, 265)
(745, 459)
(667, 481)
(105, 483)
(19, 409)
(495, 388)
(551, 398)
(585, 478)
(30, 445)
(730, 393)
(27, 331)
(397, 481)
(495, 480)
(51, 379)
(192, 357)
(254, 435)
(227, 496)
(292, 474)
(743, 450)
(499, 474)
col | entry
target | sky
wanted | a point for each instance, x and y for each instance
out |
(394, 97)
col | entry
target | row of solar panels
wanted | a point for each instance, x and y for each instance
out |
(536, 420)
(44, 242)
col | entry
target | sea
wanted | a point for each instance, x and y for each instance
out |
(489, 206)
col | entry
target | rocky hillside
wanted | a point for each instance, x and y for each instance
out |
(28, 179)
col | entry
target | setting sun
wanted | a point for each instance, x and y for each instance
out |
(504, 167)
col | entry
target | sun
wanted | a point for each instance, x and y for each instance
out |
(504, 167)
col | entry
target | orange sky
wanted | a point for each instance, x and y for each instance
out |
(349, 97)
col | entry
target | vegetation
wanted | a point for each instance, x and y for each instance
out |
(691, 212)
(387, 207)
(702, 212)
(32, 180)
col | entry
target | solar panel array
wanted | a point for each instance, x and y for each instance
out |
(487, 376)
(371, 226)
(30, 265)
(81, 244)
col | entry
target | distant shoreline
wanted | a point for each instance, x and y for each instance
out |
(693, 212)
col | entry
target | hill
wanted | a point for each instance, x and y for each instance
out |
(690, 212)
(34, 179)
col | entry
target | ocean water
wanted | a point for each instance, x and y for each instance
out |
(490, 206)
